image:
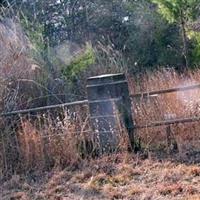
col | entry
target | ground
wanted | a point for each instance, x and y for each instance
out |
(122, 176)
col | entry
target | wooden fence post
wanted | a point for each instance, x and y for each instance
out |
(105, 94)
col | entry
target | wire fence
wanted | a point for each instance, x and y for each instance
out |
(42, 137)
(165, 122)
(132, 96)
(146, 95)
(51, 134)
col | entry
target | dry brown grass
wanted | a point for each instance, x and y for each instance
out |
(44, 142)
(15, 61)
(167, 106)
(15, 64)
(41, 142)
(93, 180)
(47, 150)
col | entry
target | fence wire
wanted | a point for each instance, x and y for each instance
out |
(42, 137)
(168, 120)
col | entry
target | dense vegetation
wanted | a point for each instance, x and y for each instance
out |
(72, 39)
(48, 49)
(148, 33)
(69, 40)
(135, 28)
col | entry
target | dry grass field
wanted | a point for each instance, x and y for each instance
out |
(121, 176)
(50, 165)
(182, 104)
(43, 157)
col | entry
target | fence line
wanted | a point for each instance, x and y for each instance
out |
(26, 111)
(168, 122)
(44, 108)
(176, 89)
(144, 94)
(171, 121)
(109, 89)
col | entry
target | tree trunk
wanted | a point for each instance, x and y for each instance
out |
(184, 40)
(87, 33)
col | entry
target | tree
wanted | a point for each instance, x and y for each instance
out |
(180, 12)
(131, 28)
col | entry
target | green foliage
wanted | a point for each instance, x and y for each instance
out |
(180, 12)
(34, 31)
(79, 63)
(151, 41)
(173, 10)
(195, 36)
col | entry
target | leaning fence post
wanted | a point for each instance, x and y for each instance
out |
(105, 94)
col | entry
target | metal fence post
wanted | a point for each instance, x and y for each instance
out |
(105, 94)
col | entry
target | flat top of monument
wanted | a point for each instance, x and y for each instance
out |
(105, 76)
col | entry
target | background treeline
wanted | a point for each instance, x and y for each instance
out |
(147, 32)
(69, 40)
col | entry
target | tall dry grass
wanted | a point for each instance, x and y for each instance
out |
(38, 141)
(167, 106)
(52, 139)
(60, 138)
(42, 141)
(16, 64)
